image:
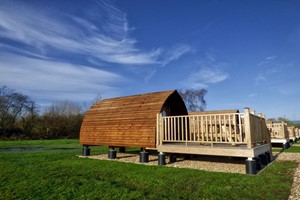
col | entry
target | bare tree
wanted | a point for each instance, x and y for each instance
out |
(86, 105)
(64, 108)
(15, 107)
(61, 119)
(194, 99)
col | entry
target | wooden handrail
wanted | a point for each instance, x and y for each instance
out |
(224, 128)
(207, 128)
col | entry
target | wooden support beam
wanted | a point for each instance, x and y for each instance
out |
(248, 127)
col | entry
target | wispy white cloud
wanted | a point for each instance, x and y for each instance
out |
(45, 43)
(266, 60)
(260, 78)
(205, 76)
(209, 71)
(271, 69)
(56, 80)
(172, 54)
(252, 95)
(175, 53)
(270, 57)
(104, 34)
(150, 75)
(289, 88)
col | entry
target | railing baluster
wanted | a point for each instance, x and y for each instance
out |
(240, 128)
(220, 129)
(215, 128)
(178, 128)
(198, 126)
(194, 128)
(235, 128)
(202, 128)
(172, 133)
(166, 129)
(208, 128)
(186, 131)
(174, 128)
(182, 129)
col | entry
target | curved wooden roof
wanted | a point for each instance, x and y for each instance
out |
(128, 121)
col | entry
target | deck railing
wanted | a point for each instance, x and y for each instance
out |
(291, 131)
(278, 130)
(297, 132)
(225, 128)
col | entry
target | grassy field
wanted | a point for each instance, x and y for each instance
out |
(60, 174)
(295, 148)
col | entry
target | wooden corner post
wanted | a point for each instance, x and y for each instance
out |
(283, 130)
(248, 127)
(159, 129)
(263, 134)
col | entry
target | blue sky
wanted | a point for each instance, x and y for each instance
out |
(245, 53)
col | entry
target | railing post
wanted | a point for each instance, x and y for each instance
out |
(283, 130)
(159, 129)
(262, 133)
(248, 127)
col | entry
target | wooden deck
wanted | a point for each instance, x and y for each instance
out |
(214, 150)
(278, 140)
(279, 131)
(220, 134)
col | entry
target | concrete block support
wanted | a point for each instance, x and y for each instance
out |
(161, 158)
(258, 163)
(172, 158)
(112, 153)
(122, 149)
(268, 156)
(286, 145)
(187, 156)
(263, 159)
(144, 156)
(86, 151)
(251, 166)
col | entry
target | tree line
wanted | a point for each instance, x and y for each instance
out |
(22, 118)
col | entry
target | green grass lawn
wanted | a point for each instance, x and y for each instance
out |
(60, 174)
(295, 148)
(277, 149)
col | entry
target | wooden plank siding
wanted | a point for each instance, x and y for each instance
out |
(128, 121)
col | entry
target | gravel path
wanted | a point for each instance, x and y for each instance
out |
(218, 164)
(213, 163)
(295, 191)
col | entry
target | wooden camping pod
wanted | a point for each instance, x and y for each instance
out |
(129, 121)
